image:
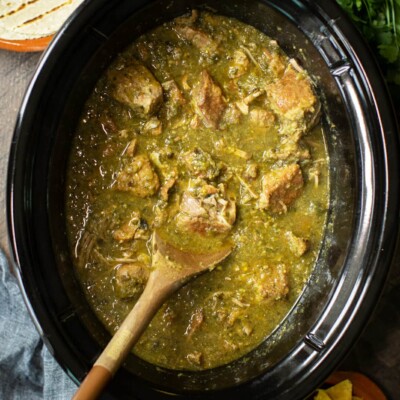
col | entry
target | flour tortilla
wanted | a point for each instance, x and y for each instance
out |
(32, 19)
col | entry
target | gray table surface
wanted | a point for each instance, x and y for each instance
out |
(377, 352)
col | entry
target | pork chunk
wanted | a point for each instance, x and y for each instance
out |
(275, 62)
(130, 280)
(297, 245)
(280, 188)
(128, 229)
(138, 177)
(167, 186)
(239, 64)
(172, 92)
(209, 213)
(271, 282)
(174, 99)
(208, 100)
(198, 38)
(136, 87)
(231, 116)
(288, 151)
(292, 96)
(261, 117)
(153, 127)
(133, 228)
(200, 164)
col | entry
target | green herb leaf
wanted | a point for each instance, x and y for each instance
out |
(379, 22)
(389, 51)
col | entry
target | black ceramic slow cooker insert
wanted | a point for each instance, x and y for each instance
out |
(360, 234)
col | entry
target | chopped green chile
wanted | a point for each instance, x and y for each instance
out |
(206, 131)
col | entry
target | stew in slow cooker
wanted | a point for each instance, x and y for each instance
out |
(206, 131)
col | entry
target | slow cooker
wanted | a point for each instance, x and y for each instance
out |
(360, 235)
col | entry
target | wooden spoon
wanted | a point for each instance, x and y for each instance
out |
(171, 269)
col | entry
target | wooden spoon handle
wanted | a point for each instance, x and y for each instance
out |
(124, 339)
(93, 384)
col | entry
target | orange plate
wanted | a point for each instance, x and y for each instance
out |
(38, 44)
(362, 386)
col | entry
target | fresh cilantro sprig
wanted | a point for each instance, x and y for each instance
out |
(379, 22)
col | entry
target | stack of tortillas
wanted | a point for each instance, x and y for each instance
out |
(33, 19)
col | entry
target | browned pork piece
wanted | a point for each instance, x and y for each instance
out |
(200, 164)
(206, 212)
(198, 38)
(130, 279)
(272, 282)
(292, 96)
(280, 188)
(135, 86)
(208, 101)
(138, 177)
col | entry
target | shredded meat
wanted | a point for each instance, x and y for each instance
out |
(195, 358)
(107, 124)
(130, 149)
(200, 164)
(208, 100)
(196, 320)
(187, 19)
(204, 213)
(280, 188)
(289, 152)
